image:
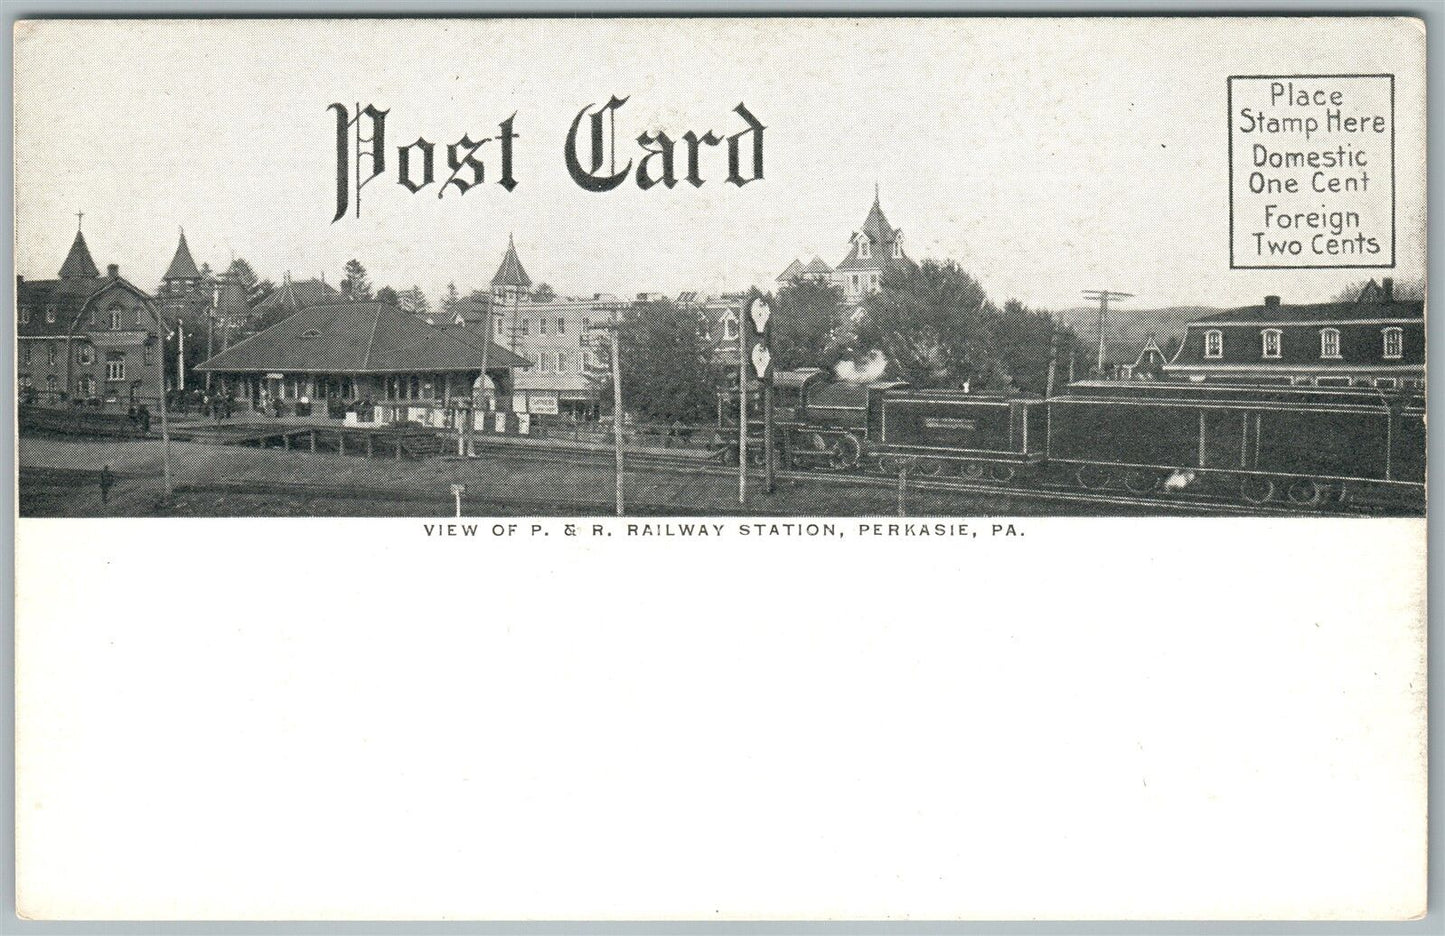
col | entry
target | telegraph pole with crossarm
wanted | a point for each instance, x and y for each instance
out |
(1104, 295)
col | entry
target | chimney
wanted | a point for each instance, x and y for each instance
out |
(112, 270)
(1271, 302)
(1387, 289)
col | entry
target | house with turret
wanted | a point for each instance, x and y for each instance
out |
(87, 336)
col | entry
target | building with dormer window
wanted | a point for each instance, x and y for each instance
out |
(874, 250)
(1374, 341)
(87, 337)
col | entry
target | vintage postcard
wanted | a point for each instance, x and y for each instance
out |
(560, 348)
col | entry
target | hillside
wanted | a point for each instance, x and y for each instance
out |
(1128, 328)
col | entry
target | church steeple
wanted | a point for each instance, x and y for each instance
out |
(78, 264)
(182, 267)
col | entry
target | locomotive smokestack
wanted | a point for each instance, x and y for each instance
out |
(1387, 289)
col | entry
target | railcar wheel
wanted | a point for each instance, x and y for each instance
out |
(1256, 490)
(1304, 493)
(930, 467)
(1002, 472)
(1092, 477)
(1140, 481)
(974, 471)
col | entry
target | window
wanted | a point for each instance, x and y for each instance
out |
(84, 353)
(1329, 342)
(1270, 338)
(1386, 383)
(526, 326)
(561, 326)
(1214, 343)
(853, 282)
(50, 353)
(50, 315)
(51, 383)
(138, 314)
(115, 367)
(730, 326)
(586, 324)
(115, 318)
(865, 248)
(87, 386)
(898, 249)
(561, 362)
(25, 315)
(497, 327)
(1394, 342)
(541, 326)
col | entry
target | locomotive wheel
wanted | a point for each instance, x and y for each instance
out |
(974, 471)
(1002, 472)
(1304, 492)
(1140, 481)
(846, 452)
(1256, 490)
(1092, 477)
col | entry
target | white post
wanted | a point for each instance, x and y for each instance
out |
(742, 418)
(617, 408)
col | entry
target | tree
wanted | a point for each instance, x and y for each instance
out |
(354, 281)
(388, 295)
(808, 317)
(543, 293)
(1404, 289)
(450, 299)
(667, 366)
(256, 288)
(934, 325)
(1023, 345)
(413, 300)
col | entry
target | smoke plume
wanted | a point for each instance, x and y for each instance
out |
(870, 370)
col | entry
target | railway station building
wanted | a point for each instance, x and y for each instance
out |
(360, 351)
(1374, 341)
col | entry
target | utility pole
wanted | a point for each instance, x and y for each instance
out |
(612, 329)
(1053, 364)
(165, 427)
(742, 414)
(210, 324)
(180, 354)
(1103, 295)
(617, 407)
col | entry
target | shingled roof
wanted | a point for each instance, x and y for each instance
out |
(881, 236)
(295, 295)
(78, 264)
(357, 338)
(510, 273)
(182, 267)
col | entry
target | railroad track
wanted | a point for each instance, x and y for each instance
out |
(1190, 504)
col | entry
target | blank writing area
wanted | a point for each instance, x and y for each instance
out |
(1100, 718)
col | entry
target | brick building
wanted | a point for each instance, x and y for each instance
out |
(1376, 340)
(87, 336)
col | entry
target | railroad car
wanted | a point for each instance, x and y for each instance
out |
(1298, 445)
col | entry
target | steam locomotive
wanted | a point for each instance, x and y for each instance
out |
(1297, 445)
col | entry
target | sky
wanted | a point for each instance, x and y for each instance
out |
(1046, 156)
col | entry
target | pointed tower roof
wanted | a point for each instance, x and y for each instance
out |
(794, 269)
(182, 266)
(510, 273)
(232, 299)
(78, 264)
(875, 225)
(817, 266)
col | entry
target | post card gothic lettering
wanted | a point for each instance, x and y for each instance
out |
(883, 303)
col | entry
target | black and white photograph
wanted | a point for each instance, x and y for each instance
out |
(648, 468)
